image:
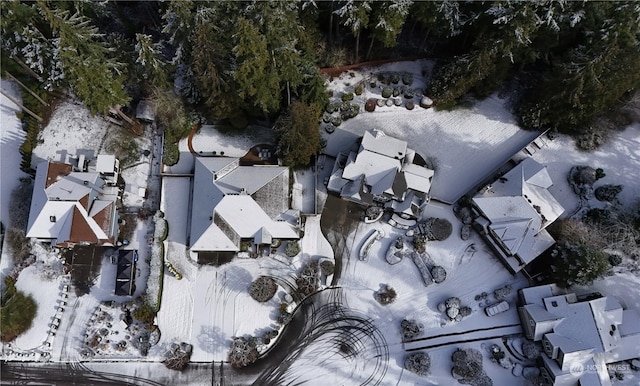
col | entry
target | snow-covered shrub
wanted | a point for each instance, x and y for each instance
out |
(465, 311)
(18, 244)
(420, 243)
(608, 193)
(20, 204)
(581, 180)
(409, 93)
(293, 248)
(411, 329)
(387, 92)
(144, 313)
(502, 292)
(386, 295)
(308, 281)
(394, 78)
(327, 267)
(467, 368)
(407, 78)
(418, 363)
(263, 288)
(438, 274)
(530, 350)
(177, 357)
(410, 105)
(347, 97)
(243, 352)
(438, 228)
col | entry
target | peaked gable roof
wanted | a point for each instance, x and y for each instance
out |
(69, 206)
(519, 207)
(216, 181)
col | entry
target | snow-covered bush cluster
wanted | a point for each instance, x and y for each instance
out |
(243, 352)
(453, 309)
(385, 295)
(411, 328)
(178, 355)
(308, 281)
(263, 288)
(418, 363)
(467, 368)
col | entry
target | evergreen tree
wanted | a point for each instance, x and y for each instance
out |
(355, 16)
(298, 134)
(256, 79)
(588, 80)
(389, 17)
(149, 58)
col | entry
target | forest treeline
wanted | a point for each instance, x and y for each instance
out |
(568, 65)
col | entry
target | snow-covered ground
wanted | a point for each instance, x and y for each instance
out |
(11, 137)
(620, 159)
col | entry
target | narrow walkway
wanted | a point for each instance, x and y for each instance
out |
(464, 336)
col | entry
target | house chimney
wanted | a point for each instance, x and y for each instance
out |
(52, 218)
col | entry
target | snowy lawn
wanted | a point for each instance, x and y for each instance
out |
(44, 283)
(620, 159)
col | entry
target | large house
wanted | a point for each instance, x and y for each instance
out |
(579, 337)
(72, 207)
(238, 208)
(384, 171)
(513, 212)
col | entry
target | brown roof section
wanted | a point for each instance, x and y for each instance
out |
(103, 218)
(55, 171)
(80, 229)
(84, 201)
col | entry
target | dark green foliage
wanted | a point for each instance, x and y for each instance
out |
(144, 313)
(327, 267)
(600, 173)
(298, 134)
(17, 311)
(347, 97)
(615, 260)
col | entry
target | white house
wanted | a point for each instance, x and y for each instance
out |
(70, 207)
(579, 337)
(513, 212)
(385, 171)
(237, 207)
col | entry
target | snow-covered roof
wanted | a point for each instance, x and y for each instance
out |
(536, 295)
(247, 218)
(374, 166)
(417, 177)
(217, 183)
(213, 239)
(519, 207)
(248, 178)
(106, 163)
(74, 186)
(52, 221)
(378, 142)
(70, 207)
